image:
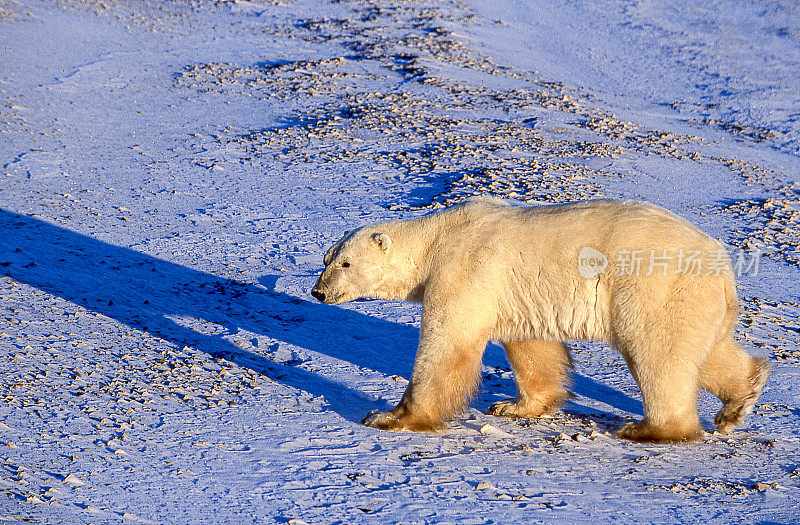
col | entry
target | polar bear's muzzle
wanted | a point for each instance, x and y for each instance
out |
(323, 293)
(327, 297)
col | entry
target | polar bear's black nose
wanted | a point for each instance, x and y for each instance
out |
(319, 295)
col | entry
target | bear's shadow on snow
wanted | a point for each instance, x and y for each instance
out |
(159, 297)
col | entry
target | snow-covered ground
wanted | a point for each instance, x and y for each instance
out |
(173, 172)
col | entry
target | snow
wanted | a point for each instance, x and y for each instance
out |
(173, 172)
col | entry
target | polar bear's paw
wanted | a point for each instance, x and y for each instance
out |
(734, 411)
(541, 405)
(644, 432)
(381, 420)
(399, 418)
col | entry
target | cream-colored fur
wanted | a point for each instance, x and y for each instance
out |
(486, 270)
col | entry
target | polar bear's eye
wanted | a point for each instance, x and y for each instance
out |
(345, 264)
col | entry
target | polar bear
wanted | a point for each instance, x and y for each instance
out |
(631, 274)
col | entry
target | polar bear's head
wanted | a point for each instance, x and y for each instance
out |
(359, 265)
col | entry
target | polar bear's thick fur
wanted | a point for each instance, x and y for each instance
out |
(533, 277)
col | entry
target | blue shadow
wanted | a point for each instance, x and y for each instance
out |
(142, 291)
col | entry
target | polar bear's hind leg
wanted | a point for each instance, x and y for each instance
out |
(665, 349)
(736, 379)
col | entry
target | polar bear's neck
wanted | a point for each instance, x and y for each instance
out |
(412, 241)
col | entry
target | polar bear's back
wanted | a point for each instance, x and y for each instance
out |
(603, 223)
(526, 261)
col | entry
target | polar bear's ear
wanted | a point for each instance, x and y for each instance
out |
(383, 240)
(329, 254)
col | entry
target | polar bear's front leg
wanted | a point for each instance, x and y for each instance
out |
(446, 373)
(541, 373)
